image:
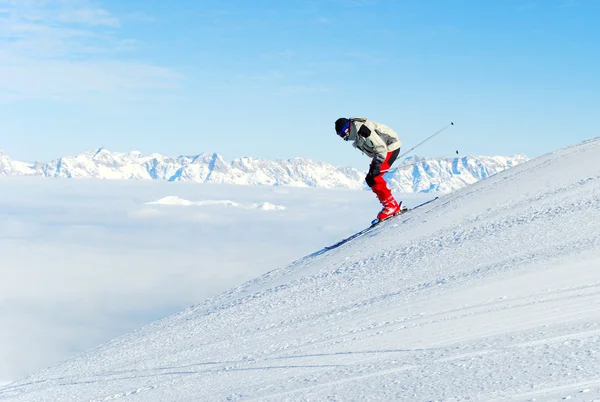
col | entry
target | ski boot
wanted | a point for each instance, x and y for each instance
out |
(390, 208)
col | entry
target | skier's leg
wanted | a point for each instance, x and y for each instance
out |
(380, 188)
(378, 184)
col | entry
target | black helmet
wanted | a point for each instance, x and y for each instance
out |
(341, 126)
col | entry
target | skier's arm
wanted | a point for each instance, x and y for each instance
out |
(379, 147)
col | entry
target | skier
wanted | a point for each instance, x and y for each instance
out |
(380, 143)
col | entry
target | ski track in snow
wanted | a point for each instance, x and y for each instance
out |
(491, 293)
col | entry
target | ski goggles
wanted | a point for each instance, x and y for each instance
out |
(344, 131)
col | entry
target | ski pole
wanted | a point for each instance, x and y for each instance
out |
(424, 141)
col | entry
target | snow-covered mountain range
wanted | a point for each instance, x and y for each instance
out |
(411, 175)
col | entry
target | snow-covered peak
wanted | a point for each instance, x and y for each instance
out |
(419, 174)
(100, 151)
(8, 167)
(415, 174)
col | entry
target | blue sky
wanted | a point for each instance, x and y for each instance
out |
(268, 78)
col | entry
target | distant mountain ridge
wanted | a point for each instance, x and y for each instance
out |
(411, 175)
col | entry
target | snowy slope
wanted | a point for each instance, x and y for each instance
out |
(490, 293)
(441, 174)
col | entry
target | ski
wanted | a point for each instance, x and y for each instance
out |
(375, 223)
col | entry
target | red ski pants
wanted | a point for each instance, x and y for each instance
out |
(375, 178)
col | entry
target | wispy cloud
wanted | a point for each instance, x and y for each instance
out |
(58, 48)
(49, 12)
(93, 16)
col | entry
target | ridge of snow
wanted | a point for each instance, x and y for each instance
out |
(489, 293)
(413, 175)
